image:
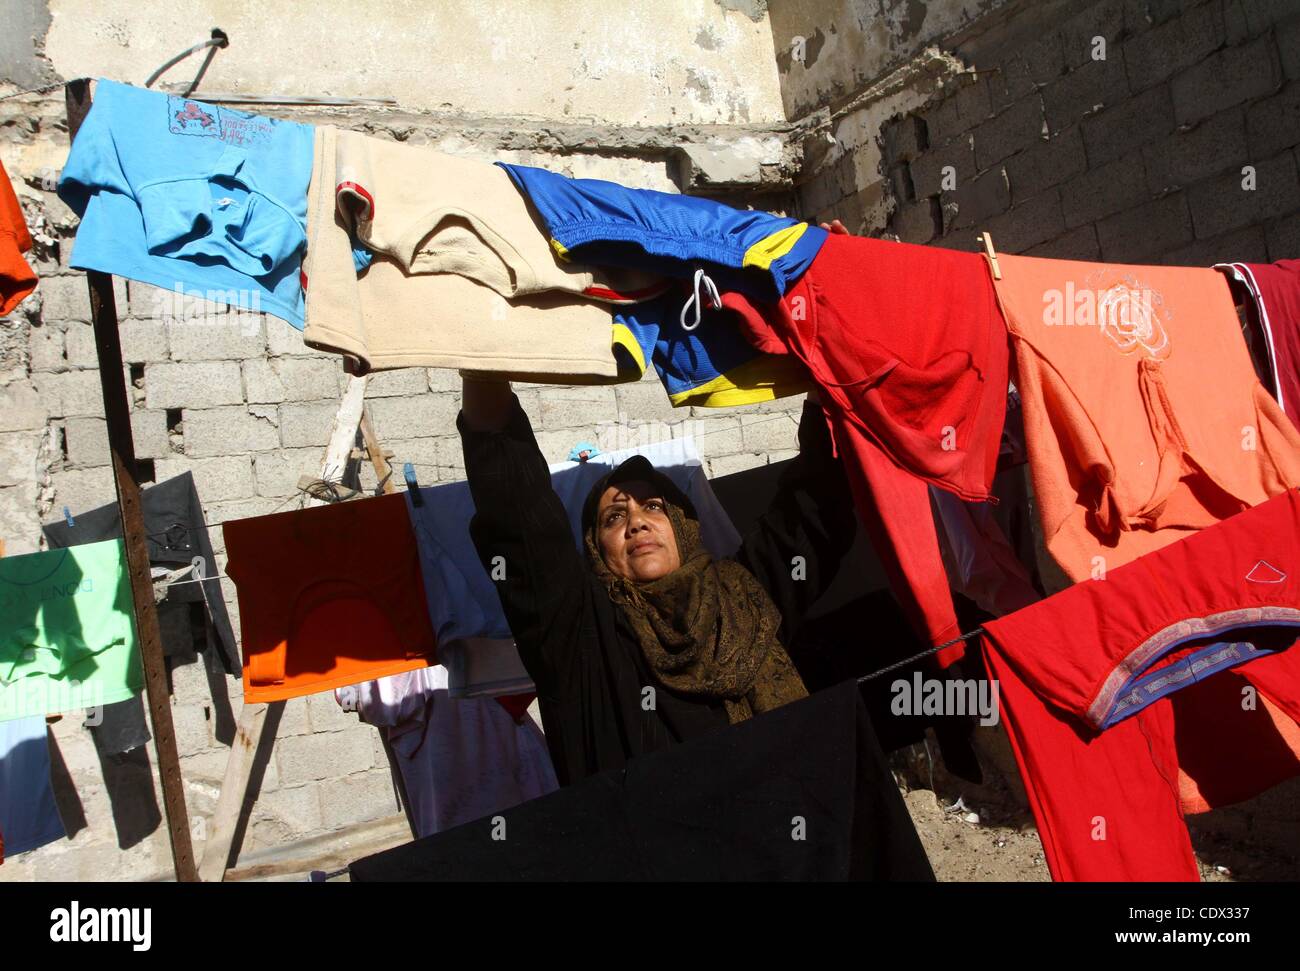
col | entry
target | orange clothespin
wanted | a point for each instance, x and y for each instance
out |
(992, 254)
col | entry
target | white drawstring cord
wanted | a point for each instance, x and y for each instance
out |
(715, 300)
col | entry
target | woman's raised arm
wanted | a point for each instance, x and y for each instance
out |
(522, 533)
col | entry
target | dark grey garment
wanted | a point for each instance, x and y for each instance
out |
(173, 520)
(121, 727)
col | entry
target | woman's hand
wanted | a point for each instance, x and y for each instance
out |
(485, 400)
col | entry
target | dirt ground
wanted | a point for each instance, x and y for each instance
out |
(986, 832)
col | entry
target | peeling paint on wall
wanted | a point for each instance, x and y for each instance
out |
(755, 10)
(707, 39)
(697, 82)
(906, 17)
(625, 63)
(810, 49)
(22, 43)
(852, 43)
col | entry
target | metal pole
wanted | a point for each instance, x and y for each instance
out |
(108, 346)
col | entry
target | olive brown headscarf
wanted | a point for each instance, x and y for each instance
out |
(707, 629)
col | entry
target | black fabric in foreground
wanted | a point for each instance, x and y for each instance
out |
(800, 793)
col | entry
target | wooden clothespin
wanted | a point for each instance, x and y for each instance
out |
(408, 473)
(992, 254)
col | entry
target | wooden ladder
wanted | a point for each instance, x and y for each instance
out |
(350, 421)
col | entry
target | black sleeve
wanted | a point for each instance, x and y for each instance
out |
(811, 518)
(521, 532)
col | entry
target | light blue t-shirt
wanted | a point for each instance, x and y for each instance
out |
(191, 196)
(28, 815)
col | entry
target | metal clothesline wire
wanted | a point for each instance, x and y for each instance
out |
(216, 41)
(45, 89)
(924, 654)
(866, 677)
(278, 507)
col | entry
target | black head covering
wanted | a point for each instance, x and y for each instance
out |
(635, 469)
(708, 628)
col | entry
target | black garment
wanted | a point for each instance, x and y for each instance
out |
(122, 727)
(856, 627)
(173, 520)
(727, 806)
(593, 682)
(128, 780)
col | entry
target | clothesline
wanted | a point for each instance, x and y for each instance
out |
(875, 674)
(289, 499)
(924, 654)
(217, 40)
(41, 90)
(866, 677)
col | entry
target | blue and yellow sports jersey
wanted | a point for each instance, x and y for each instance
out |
(598, 222)
(713, 365)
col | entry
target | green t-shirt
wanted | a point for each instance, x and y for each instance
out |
(67, 639)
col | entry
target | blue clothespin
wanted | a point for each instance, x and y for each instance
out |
(408, 473)
(68, 516)
(583, 451)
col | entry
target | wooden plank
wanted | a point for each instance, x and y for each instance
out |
(253, 718)
(383, 470)
(234, 790)
(344, 432)
(117, 414)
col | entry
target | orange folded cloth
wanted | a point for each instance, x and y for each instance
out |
(17, 279)
(328, 597)
(1144, 419)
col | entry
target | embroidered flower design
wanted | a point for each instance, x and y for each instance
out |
(1133, 315)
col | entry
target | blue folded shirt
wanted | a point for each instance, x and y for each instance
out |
(191, 197)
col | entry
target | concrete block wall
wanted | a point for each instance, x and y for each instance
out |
(1133, 131)
(241, 402)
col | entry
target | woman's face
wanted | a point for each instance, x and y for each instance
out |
(636, 535)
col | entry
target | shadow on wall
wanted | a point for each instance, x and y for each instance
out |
(121, 738)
